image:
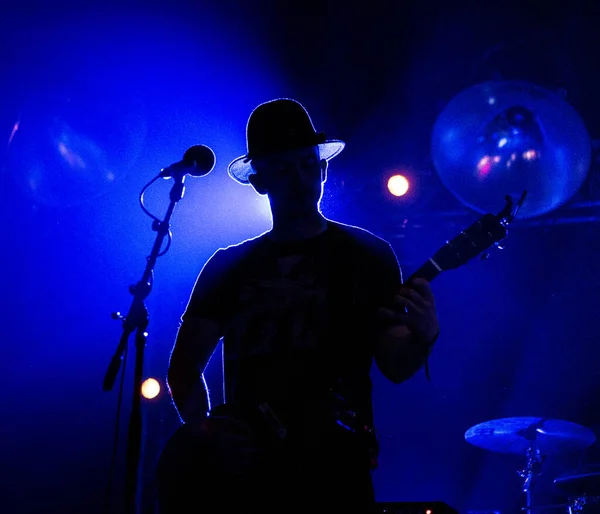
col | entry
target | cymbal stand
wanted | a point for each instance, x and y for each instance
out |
(532, 470)
(577, 505)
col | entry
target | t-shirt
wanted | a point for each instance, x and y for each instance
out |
(299, 322)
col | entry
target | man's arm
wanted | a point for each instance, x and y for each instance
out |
(196, 341)
(399, 354)
(198, 336)
(408, 324)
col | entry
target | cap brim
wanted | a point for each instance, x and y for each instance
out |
(241, 168)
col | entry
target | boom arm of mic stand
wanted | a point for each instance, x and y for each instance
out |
(137, 317)
(136, 320)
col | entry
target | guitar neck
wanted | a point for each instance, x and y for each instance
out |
(480, 236)
(428, 271)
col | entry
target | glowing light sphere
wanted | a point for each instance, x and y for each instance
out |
(398, 185)
(150, 388)
(499, 138)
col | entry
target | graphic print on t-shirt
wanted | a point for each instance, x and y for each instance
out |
(281, 309)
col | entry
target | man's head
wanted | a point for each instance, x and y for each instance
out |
(292, 179)
(285, 153)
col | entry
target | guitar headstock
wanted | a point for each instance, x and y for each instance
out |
(488, 231)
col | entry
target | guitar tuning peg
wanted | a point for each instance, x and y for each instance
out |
(485, 256)
(499, 246)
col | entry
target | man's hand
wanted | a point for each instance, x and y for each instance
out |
(414, 306)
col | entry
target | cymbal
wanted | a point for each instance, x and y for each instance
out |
(517, 435)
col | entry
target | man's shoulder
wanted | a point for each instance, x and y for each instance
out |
(359, 235)
(245, 245)
(237, 251)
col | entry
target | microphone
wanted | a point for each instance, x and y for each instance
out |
(197, 161)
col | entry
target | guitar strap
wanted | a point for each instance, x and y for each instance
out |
(346, 326)
(344, 281)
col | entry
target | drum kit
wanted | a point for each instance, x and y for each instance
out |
(536, 439)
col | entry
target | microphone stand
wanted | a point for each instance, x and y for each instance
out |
(136, 321)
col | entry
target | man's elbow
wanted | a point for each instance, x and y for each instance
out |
(175, 368)
(400, 372)
(182, 372)
(175, 382)
(399, 377)
(398, 357)
(174, 376)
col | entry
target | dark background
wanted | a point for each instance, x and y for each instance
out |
(97, 98)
